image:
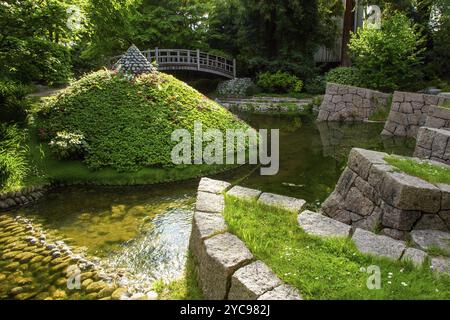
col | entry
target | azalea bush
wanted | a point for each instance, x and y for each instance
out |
(236, 87)
(68, 145)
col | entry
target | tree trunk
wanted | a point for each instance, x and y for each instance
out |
(349, 24)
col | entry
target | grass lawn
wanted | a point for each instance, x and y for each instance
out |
(325, 268)
(183, 289)
(424, 170)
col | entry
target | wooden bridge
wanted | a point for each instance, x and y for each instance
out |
(195, 60)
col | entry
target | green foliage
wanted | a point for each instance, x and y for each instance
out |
(440, 54)
(13, 164)
(345, 75)
(388, 58)
(128, 124)
(34, 40)
(382, 112)
(324, 268)
(316, 85)
(423, 169)
(279, 82)
(13, 105)
(273, 35)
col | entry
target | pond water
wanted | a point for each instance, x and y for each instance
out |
(146, 229)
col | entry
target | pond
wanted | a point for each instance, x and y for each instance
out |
(145, 230)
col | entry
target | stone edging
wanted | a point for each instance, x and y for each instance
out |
(348, 103)
(373, 244)
(226, 268)
(14, 199)
(433, 144)
(265, 105)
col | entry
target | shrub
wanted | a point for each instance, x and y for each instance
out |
(68, 145)
(279, 82)
(13, 104)
(316, 85)
(13, 161)
(389, 57)
(346, 76)
(36, 60)
(236, 87)
(128, 124)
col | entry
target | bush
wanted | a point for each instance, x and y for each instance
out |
(13, 161)
(237, 87)
(128, 124)
(388, 58)
(36, 60)
(13, 105)
(346, 76)
(316, 85)
(68, 145)
(279, 82)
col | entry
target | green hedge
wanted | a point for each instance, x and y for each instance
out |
(279, 82)
(346, 76)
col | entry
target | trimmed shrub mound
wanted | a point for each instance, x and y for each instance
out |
(127, 124)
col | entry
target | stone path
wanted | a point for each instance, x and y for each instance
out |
(226, 268)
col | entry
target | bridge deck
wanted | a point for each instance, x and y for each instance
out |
(195, 60)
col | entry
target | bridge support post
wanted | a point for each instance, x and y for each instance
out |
(156, 55)
(198, 59)
(234, 68)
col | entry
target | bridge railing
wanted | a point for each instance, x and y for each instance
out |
(183, 59)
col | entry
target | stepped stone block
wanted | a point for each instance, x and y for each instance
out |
(370, 193)
(319, 225)
(416, 256)
(213, 186)
(244, 193)
(283, 202)
(378, 245)
(222, 256)
(283, 292)
(426, 239)
(205, 225)
(209, 202)
(251, 281)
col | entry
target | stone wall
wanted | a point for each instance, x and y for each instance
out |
(10, 200)
(347, 103)
(433, 144)
(371, 194)
(265, 105)
(410, 111)
(226, 268)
